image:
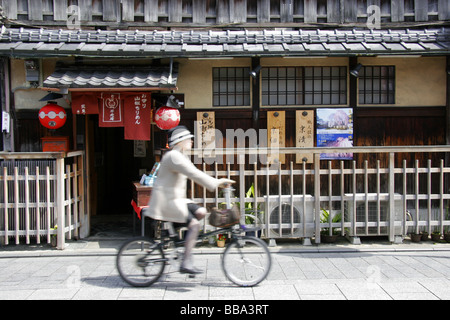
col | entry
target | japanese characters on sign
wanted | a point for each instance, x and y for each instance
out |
(111, 110)
(206, 137)
(137, 117)
(131, 110)
(276, 131)
(304, 134)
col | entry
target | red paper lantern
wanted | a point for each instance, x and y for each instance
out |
(52, 116)
(167, 118)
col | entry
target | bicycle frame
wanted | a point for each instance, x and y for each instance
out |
(230, 229)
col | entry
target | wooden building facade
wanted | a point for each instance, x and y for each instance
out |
(304, 55)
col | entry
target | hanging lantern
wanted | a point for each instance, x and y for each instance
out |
(167, 118)
(52, 116)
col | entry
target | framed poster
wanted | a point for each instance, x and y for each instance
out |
(335, 130)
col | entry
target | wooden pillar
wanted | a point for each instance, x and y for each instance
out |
(353, 99)
(60, 208)
(448, 103)
(255, 94)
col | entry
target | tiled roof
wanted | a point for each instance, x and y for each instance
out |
(20, 41)
(156, 77)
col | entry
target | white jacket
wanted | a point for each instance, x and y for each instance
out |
(168, 200)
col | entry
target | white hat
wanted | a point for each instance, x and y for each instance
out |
(179, 134)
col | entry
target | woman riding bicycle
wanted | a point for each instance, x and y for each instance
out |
(168, 201)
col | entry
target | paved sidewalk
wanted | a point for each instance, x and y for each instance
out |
(86, 270)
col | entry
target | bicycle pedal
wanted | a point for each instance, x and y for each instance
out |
(192, 276)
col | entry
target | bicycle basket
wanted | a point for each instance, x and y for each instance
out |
(223, 218)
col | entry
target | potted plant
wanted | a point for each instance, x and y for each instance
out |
(436, 236)
(447, 229)
(54, 237)
(424, 236)
(447, 236)
(220, 240)
(325, 235)
(416, 237)
(252, 215)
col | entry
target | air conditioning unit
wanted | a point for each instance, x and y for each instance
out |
(289, 216)
(372, 221)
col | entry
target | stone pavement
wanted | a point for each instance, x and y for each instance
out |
(86, 270)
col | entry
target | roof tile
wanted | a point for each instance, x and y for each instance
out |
(80, 78)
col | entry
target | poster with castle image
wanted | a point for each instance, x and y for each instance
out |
(335, 130)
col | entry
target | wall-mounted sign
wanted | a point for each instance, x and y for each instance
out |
(304, 134)
(137, 116)
(132, 110)
(276, 135)
(111, 110)
(335, 129)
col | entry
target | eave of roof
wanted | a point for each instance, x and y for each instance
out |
(129, 78)
(42, 43)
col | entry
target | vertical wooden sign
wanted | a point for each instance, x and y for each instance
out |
(276, 130)
(206, 125)
(304, 133)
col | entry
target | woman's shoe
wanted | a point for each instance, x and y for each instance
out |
(190, 270)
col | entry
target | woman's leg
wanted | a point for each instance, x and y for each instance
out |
(191, 239)
(200, 213)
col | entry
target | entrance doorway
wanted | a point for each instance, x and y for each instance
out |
(113, 165)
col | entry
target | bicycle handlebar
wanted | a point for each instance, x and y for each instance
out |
(227, 195)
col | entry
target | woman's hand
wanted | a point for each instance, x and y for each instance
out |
(225, 183)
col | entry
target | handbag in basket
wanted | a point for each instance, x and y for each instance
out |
(223, 218)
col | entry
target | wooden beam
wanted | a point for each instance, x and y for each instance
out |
(240, 11)
(199, 11)
(151, 10)
(175, 10)
(333, 11)
(60, 10)
(310, 11)
(397, 10)
(111, 10)
(421, 10)
(128, 10)
(85, 10)
(110, 89)
(350, 10)
(287, 10)
(35, 10)
(263, 11)
(10, 9)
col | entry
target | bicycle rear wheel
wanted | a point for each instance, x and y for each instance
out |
(246, 261)
(140, 262)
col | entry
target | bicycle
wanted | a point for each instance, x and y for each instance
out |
(141, 261)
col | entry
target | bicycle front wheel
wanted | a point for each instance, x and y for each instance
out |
(140, 262)
(246, 261)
